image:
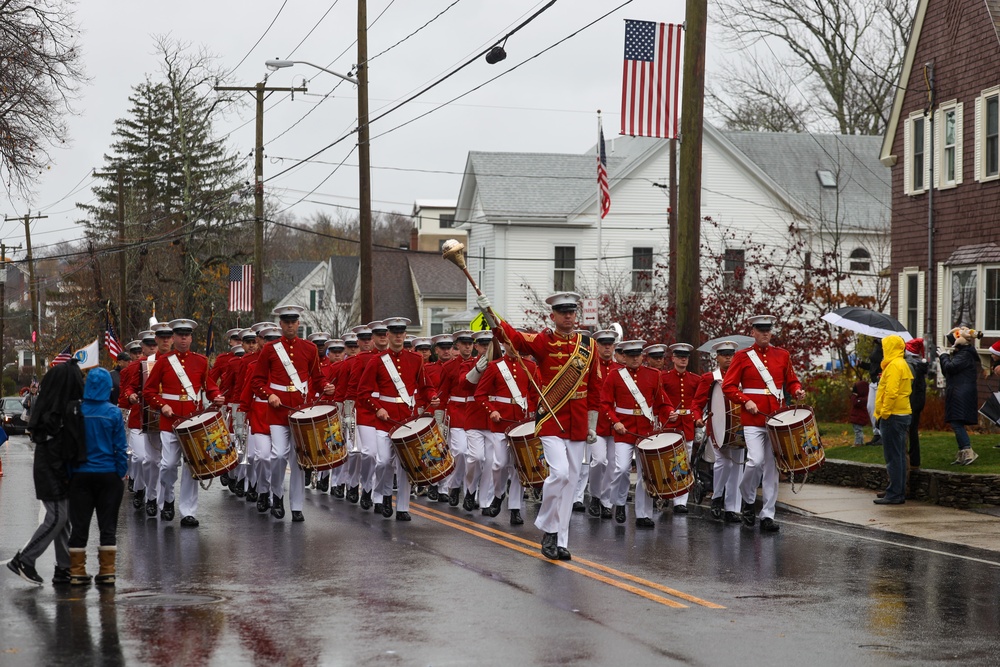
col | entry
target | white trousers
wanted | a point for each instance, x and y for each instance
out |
(261, 444)
(367, 443)
(620, 481)
(137, 443)
(760, 470)
(580, 489)
(726, 476)
(458, 444)
(151, 464)
(388, 463)
(477, 461)
(282, 455)
(187, 503)
(502, 470)
(565, 458)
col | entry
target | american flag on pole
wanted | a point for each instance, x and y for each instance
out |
(602, 172)
(241, 288)
(651, 79)
(62, 357)
(111, 342)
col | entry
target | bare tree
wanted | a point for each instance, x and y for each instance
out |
(841, 58)
(40, 75)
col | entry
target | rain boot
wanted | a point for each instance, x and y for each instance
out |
(78, 567)
(106, 558)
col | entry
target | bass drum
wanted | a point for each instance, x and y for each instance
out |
(529, 456)
(319, 442)
(795, 439)
(666, 471)
(207, 445)
(725, 426)
(422, 451)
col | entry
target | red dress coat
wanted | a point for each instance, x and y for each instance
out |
(455, 391)
(269, 371)
(681, 389)
(604, 370)
(551, 349)
(353, 373)
(376, 380)
(130, 385)
(163, 380)
(616, 395)
(492, 386)
(743, 373)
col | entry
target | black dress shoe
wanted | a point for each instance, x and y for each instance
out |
(139, 499)
(264, 502)
(595, 508)
(644, 522)
(717, 504)
(563, 553)
(732, 517)
(681, 509)
(444, 496)
(606, 512)
(549, 548)
(387, 507)
(352, 494)
(167, 513)
(378, 508)
(189, 522)
(251, 496)
(769, 526)
(403, 516)
(151, 508)
(494, 508)
(620, 513)
(240, 488)
(886, 501)
(749, 516)
(579, 507)
(131, 485)
(366, 500)
(278, 507)
(308, 476)
(338, 491)
(432, 492)
(323, 484)
(297, 516)
(453, 497)
(515, 518)
(469, 503)
(225, 480)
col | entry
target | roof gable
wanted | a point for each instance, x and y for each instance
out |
(284, 276)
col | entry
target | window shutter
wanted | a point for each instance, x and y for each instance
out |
(940, 303)
(907, 157)
(938, 147)
(312, 299)
(901, 297)
(928, 153)
(977, 140)
(959, 110)
(921, 312)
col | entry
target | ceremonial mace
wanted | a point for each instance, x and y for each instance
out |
(452, 250)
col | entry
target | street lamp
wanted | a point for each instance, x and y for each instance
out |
(275, 65)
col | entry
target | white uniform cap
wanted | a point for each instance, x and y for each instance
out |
(605, 336)
(162, 328)
(350, 337)
(146, 335)
(288, 310)
(394, 322)
(564, 301)
(634, 346)
(763, 322)
(319, 337)
(377, 325)
(421, 342)
(261, 325)
(335, 344)
(655, 348)
(724, 345)
(134, 345)
(682, 349)
(270, 333)
(233, 333)
(482, 335)
(248, 334)
(442, 338)
(465, 334)
(361, 330)
(182, 326)
(238, 350)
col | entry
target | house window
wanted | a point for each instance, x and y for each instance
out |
(992, 322)
(436, 318)
(565, 269)
(316, 298)
(912, 316)
(642, 269)
(917, 137)
(992, 130)
(733, 268)
(446, 221)
(860, 260)
(948, 147)
(963, 298)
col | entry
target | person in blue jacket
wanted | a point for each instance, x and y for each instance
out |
(97, 485)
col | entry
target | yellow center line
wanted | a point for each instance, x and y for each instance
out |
(597, 566)
(569, 566)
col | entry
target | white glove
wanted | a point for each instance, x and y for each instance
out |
(483, 302)
(591, 427)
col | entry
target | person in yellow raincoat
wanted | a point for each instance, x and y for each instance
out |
(892, 412)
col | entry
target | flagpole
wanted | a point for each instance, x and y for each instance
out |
(600, 218)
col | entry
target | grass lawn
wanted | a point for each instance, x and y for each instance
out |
(937, 449)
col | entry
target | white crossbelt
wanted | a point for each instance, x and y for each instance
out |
(388, 399)
(460, 399)
(762, 392)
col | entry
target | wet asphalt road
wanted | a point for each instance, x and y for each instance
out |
(453, 588)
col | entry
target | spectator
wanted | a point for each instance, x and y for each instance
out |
(892, 410)
(995, 366)
(914, 356)
(874, 368)
(28, 400)
(858, 416)
(123, 360)
(97, 485)
(961, 405)
(56, 446)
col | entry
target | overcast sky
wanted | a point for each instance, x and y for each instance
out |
(547, 105)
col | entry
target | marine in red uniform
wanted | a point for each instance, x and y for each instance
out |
(760, 394)
(366, 434)
(353, 419)
(394, 396)
(681, 388)
(134, 422)
(320, 339)
(175, 387)
(602, 452)
(455, 394)
(564, 434)
(256, 409)
(442, 349)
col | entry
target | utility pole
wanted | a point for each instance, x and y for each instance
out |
(36, 334)
(259, 91)
(689, 198)
(3, 305)
(364, 172)
(672, 223)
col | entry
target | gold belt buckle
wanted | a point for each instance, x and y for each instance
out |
(290, 388)
(184, 397)
(636, 412)
(767, 392)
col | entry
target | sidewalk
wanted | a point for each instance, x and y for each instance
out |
(916, 519)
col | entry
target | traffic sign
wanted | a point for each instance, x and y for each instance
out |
(589, 312)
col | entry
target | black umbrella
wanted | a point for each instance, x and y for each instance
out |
(740, 340)
(868, 322)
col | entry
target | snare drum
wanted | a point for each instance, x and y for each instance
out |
(666, 472)
(422, 451)
(725, 426)
(319, 441)
(529, 457)
(206, 444)
(795, 439)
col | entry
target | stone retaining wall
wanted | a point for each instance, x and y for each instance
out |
(936, 486)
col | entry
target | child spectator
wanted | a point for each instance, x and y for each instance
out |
(858, 416)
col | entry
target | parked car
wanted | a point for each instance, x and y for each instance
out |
(10, 414)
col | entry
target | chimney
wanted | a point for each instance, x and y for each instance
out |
(414, 239)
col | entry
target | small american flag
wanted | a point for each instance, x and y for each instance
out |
(241, 288)
(651, 79)
(63, 356)
(111, 342)
(602, 172)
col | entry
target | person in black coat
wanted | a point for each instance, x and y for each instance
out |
(56, 446)
(961, 369)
